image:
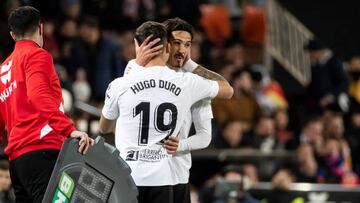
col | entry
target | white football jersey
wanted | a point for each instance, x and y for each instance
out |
(181, 163)
(150, 105)
(200, 111)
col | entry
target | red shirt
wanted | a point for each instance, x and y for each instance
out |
(31, 103)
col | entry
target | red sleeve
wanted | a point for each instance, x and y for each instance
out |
(38, 70)
(2, 128)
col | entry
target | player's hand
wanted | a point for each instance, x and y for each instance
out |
(145, 52)
(85, 141)
(171, 144)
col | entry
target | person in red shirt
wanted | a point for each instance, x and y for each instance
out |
(31, 108)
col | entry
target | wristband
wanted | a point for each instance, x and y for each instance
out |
(190, 66)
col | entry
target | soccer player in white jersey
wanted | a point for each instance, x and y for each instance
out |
(180, 37)
(150, 106)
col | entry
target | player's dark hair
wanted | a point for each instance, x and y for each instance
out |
(178, 24)
(157, 30)
(24, 20)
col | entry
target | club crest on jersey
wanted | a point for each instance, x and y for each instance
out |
(5, 79)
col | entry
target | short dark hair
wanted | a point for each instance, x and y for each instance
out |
(314, 45)
(178, 24)
(24, 20)
(157, 30)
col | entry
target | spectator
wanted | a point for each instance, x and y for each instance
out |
(313, 134)
(229, 187)
(71, 8)
(281, 185)
(307, 167)
(234, 54)
(231, 136)
(284, 136)
(354, 76)
(335, 133)
(338, 163)
(68, 30)
(329, 82)
(242, 106)
(263, 136)
(269, 93)
(251, 172)
(51, 44)
(98, 55)
(353, 137)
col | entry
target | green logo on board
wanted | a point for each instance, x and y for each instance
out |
(64, 190)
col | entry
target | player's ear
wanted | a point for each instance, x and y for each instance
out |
(136, 44)
(12, 35)
(41, 29)
(167, 47)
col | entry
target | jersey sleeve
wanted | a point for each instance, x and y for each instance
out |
(2, 128)
(37, 71)
(200, 140)
(131, 67)
(202, 110)
(201, 87)
(111, 108)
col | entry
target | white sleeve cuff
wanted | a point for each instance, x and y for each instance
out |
(190, 66)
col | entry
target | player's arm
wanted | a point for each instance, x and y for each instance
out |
(225, 89)
(110, 111)
(2, 128)
(201, 114)
(200, 140)
(106, 125)
(38, 68)
(37, 71)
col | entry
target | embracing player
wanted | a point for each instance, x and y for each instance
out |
(149, 106)
(180, 36)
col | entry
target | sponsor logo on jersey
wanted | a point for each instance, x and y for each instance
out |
(132, 155)
(147, 155)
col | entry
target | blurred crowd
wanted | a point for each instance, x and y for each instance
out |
(91, 42)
